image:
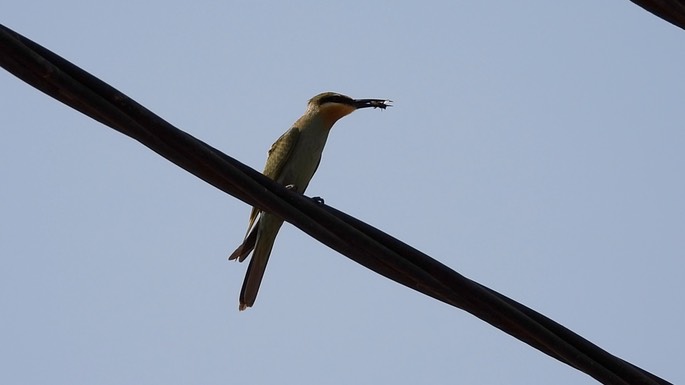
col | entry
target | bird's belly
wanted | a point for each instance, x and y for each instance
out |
(303, 163)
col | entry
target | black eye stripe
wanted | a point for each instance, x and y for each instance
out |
(336, 99)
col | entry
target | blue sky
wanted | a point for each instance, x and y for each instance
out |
(535, 147)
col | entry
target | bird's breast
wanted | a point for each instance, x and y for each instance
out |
(304, 159)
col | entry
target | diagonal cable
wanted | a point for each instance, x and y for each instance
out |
(357, 240)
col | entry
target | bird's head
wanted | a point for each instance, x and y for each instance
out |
(331, 106)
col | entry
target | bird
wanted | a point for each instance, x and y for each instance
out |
(292, 161)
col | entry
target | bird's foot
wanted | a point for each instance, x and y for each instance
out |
(318, 200)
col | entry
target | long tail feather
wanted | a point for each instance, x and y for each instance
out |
(267, 230)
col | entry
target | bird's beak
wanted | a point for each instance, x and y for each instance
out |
(375, 103)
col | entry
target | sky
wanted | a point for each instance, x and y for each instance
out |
(536, 147)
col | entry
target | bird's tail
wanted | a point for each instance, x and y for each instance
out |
(266, 231)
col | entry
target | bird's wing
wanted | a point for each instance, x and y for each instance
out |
(278, 155)
(247, 246)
